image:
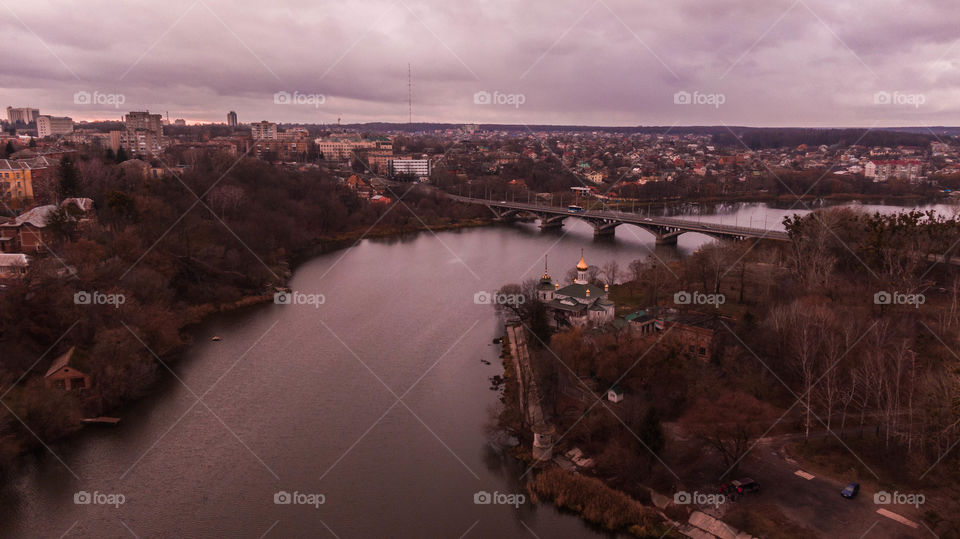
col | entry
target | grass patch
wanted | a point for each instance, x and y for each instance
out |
(766, 521)
(829, 457)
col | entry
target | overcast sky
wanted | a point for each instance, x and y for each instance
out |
(598, 62)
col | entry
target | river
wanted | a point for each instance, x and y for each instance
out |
(378, 400)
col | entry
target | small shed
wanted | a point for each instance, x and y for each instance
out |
(615, 394)
(62, 375)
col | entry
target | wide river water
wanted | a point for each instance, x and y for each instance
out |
(378, 400)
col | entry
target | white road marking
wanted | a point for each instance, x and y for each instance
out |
(803, 474)
(898, 518)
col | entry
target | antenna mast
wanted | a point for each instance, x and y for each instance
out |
(409, 95)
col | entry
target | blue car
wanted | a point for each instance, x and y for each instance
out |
(850, 491)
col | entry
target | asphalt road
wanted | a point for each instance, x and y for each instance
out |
(817, 504)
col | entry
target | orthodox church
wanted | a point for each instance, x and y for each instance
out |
(579, 303)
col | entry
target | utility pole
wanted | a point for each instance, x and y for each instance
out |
(409, 96)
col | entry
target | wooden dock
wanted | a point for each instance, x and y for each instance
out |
(102, 420)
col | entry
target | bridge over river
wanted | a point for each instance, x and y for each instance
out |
(605, 222)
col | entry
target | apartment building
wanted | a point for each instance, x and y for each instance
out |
(16, 180)
(416, 167)
(52, 125)
(343, 148)
(901, 169)
(142, 134)
(24, 115)
(263, 130)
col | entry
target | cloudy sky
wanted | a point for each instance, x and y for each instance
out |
(598, 62)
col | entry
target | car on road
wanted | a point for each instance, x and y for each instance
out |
(850, 491)
(742, 486)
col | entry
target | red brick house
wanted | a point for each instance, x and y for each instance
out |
(26, 233)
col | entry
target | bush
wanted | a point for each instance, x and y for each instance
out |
(595, 502)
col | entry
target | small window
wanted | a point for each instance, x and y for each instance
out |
(78, 383)
(60, 384)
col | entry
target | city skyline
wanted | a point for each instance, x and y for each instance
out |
(803, 64)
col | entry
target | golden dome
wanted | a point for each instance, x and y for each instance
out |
(582, 265)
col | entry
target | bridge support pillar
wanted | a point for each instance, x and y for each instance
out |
(548, 222)
(667, 239)
(604, 231)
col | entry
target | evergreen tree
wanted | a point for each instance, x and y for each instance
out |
(121, 155)
(69, 178)
(9, 149)
(651, 432)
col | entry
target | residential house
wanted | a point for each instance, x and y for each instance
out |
(65, 376)
(26, 233)
(13, 265)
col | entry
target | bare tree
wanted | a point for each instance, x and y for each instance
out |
(611, 272)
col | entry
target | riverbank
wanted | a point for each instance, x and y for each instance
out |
(337, 242)
(590, 498)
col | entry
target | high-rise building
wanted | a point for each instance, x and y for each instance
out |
(23, 114)
(52, 125)
(231, 119)
(142, 134)
(144, 120)
(263, 130)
